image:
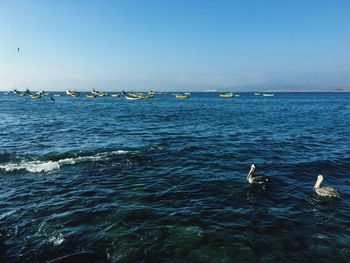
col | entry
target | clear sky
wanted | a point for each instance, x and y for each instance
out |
(174, 44)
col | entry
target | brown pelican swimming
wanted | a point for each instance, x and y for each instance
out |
(325, 191)
(255, 179)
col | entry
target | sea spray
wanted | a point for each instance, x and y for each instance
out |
(47, 166)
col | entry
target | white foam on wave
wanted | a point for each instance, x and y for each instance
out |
(79, 160)
(93, 158)
(57, 239)
(119, 152)
(33, 167)
(47, 166)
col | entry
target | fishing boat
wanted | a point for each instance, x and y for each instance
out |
(182, 96)
(226, 95)
(142, 95)
(103, 94)
(268, 94)
(22, 94)
(147, 96)
(35, 96)
(116, 95)
(90, 96)
(72, 93)
(257, 94)
(133, 97)
(95, 92)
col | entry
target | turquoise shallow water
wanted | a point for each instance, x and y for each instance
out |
(163, 180)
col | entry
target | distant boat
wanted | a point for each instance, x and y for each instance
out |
(268, 94)
(257, 94)
(91, 96)
(131, 97)
(226, 95)
(182, 96)
(140, 95)
(116, 95)
(72, 93)
(57, 95)
(95, 92)
(147, 96)
(35, 96)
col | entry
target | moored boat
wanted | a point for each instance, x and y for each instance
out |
(147, 96)
(95, 92)
(226, 95)
(115, 95)
(141, 95)
(35, 96)
(133, 97)
(72, 93)
(268, 94)
(90, 96)
(182, 96)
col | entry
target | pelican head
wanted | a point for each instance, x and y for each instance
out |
(251, 171)
(318, 181)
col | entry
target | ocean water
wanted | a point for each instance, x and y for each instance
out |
(164, 180)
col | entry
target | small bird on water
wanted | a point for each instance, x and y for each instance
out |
(325, 191)
(256, 179)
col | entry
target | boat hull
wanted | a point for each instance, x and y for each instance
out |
(133, 98)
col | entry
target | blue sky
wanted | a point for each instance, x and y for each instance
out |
(172, 45)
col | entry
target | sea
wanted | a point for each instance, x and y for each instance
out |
(164, 179)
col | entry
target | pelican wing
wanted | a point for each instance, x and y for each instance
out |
(327, 192)
(260, 179)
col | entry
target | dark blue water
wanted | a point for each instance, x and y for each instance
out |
(164, 180)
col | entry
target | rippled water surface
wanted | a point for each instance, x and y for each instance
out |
(164, 180)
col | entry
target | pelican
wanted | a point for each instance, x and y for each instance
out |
(325, 191)
(256, 179)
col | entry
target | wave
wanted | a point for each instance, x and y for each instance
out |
(50, 165)
(33, 167)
